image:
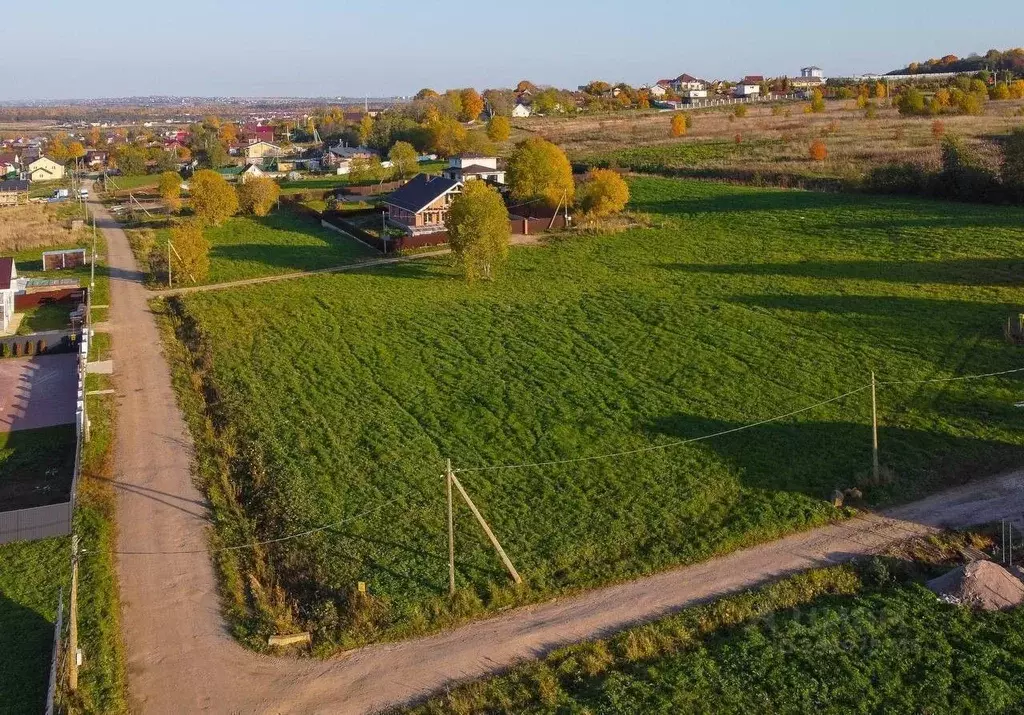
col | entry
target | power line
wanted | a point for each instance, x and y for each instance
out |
(951, 379)
(668, 445)
(238, 547)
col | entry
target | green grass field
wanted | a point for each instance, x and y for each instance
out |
(863, 639)
(338, 398)
(31, 578)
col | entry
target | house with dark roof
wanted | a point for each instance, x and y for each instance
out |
(467, 167)
(13, 191)
(749, 86)
(8, 287)
(421, 205)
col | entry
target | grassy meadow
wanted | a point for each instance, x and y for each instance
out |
(338, 398)
(772, 142)
(867, 638)
(253, 246)
(31, 578)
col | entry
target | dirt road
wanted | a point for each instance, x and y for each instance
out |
(181, 658)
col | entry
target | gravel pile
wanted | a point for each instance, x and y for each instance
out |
(980, 584)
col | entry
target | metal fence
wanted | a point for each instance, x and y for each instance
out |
(42, 522)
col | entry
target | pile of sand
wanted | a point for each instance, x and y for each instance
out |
(980, 584)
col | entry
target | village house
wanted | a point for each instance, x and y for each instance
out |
(241, 174)
(520, 111)
(253, 133)
(13, 192)
(657, 91)
(749, 86)
(467, 167)
(10, 165)
(257, 151)
(45, 169)
(810, 77)
(687, 82)
(95, 158)
(421, 205)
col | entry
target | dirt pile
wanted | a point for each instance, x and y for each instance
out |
(980, 584)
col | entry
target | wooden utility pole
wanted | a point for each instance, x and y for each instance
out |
(73, 626)
(451, 530)
(487, 530)
(92, 275)
(874, 431)
(169, 283)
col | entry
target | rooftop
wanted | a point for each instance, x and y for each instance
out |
(421, 191)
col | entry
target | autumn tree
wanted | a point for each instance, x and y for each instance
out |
(817, 101)
(881, 91)
(130, 159)
(499, 128)
(603, 193)
(258, 195)
(472, 105)
(450, 104)
(818, 150)
(190, 257)
(447, 137)
(678, 125)
(76, 150)
(404, 158)
(212, 198)
(478, 230)
(539, 170)
(365, 129)
(228, 133)
(57, 148)
(94, 137)
(170, 190)
(426, 93)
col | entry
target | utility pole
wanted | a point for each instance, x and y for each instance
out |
(874, 431)
(487, 530)
(169, 283)
(92, 277)
(451, 530)
(73, 626)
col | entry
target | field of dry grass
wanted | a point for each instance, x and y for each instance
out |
(773, 142)
(23, 228)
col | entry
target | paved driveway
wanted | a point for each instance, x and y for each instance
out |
(38, 391)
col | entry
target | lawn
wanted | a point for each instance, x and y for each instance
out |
(36, 466)
(31, 578)
(865, 639)
(48, 316)
(337, 399)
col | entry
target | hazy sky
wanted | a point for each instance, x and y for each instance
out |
(111, 48)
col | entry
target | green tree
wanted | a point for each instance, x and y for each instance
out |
(539, 170)
(170, 190)
(130, 159)
(363, 171)
(427, 93)
(499, 129)
(911, 102)
(603, 193)
(190, 258)
(404, 158)
(258, 195)
(211, 197)
(447, 137)
(478, 230)
(472, 105)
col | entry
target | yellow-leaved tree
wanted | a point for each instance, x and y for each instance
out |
(404, 158)
(499, 129)
(211, 197)
(190, 257)
(540, 171)
(170, 190)
(603, 193)
(478, 230)
(472, 105)
(678, 125)
(257, 196)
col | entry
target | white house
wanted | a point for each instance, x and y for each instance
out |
(692, 94)
(261, 150)
(749, 86)
(812, 71)
(45, 169)
(657, 91)
(467, 167)
(8, 287)
(521, 111)
(686, 82)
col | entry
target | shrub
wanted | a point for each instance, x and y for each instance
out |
(777, 110)
(962, 176)
(938, 129)
(257, 196)
(942, 97)
(212, 198)
(903, 178)
(871, 111)
(738, 138)
(817, 102)
(819, 152)
(740, 111)
(678, 127)
(191, 255)
(911, 102)
(603, 193)
(170, 190)
(1000, 91)
(1012, 168)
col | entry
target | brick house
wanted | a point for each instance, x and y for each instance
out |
(421, 205)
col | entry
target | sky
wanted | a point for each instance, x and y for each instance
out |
(117, 48)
